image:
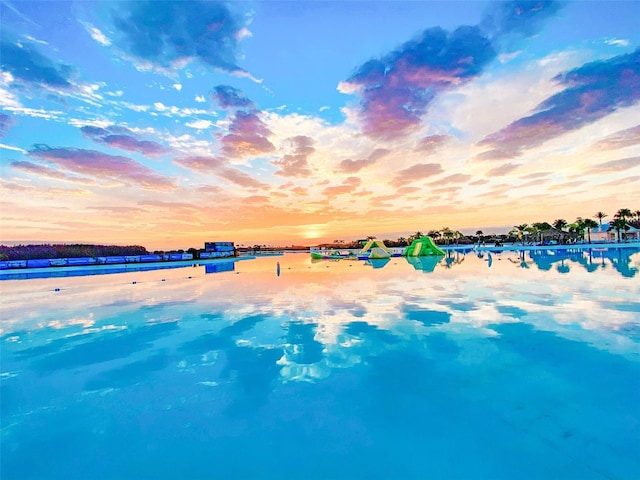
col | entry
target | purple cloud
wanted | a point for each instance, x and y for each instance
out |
(431, 143)
(616, 166)
(102, 166)
(5, 122)
(591, 92)
(217, 166)
(502, 170)
(295, 164)
(124, 139)
(621, 139)
(247, 137)
(398, 88)
(230, 97)
(415, 172)
(354, 166)
(172, 34)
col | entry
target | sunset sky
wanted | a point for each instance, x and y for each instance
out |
(168, 124)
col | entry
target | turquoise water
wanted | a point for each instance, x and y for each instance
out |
(505, 366)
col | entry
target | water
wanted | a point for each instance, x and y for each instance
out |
(513, 365)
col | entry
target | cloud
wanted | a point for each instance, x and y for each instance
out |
(591, 92)
(123, 138)
(97, 35)
(616, 166)
(354, 166)
(200, 99)
(431, 143)
(502, 170)
(240, 178)
(414, 173)
(30, 68)
(230, 97)
(217, 166)
(41, 170)
(5, 122)
(621, 139)
(203, 164)
(103, 166)
(170, 35)
(295, 164)
(247, 137)
(397, 89)
(199, 124)
(617, 42)
(517, 18)
(348, 185)
(453, 178)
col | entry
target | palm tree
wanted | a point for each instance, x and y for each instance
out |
(619, 224)
(560, 224)
(541, 227)
(447, 233)
(624, 214)
(521, 231)
(415, 236)
(589, 224)
(637, 215)
(435, 234)
(480, 234)
(600, 216)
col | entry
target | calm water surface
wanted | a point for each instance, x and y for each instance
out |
(505, 366)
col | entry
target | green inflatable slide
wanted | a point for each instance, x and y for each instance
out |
(421, 247)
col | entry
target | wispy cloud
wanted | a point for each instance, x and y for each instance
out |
(218, 166)
(416, 172)
(591, 92)
(616, 166)
(123, 138)
(621, 139)
(100, 165)
(354, 166)
(5, 122)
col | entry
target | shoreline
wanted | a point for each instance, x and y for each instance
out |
(84, 270)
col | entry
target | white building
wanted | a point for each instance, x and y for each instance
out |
(604, 233)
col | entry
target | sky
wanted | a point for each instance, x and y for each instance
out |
(168, 124)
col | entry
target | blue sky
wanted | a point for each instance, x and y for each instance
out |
(170, 123)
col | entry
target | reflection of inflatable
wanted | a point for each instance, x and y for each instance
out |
(423, 246)
(374, 249)
(378, 262)
(426, 264)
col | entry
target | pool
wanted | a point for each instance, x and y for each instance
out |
(498, 365)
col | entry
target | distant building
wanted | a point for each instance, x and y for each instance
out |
(604, 233)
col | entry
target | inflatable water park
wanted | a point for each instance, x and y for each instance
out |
(377, 250)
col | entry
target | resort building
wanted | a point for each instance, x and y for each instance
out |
(604, 233)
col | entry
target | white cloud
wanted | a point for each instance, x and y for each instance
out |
(200, 99)
(199, 124)
(177, 86)
(15, 149)
(617, 42)
(97, 35)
